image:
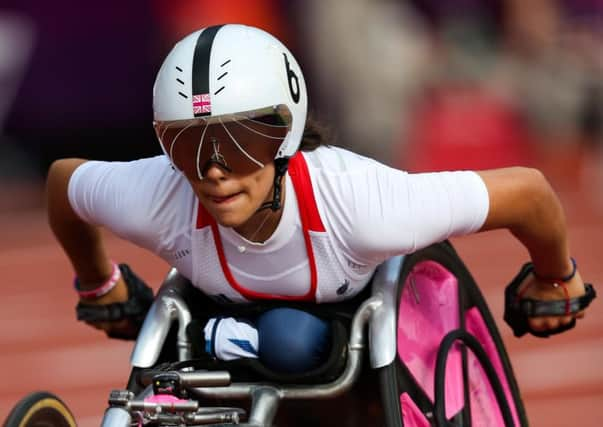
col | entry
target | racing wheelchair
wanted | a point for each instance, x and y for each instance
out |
(417, 348)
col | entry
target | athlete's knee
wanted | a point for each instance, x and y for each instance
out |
(292, 340)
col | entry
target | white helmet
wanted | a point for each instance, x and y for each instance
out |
(232, 69)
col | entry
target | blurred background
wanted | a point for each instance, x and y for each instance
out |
(417, 84)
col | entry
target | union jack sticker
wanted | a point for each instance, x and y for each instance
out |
(201, 104)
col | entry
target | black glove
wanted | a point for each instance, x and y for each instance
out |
(140, 298)
(518, 310)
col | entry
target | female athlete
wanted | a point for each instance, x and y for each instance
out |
(250, 202)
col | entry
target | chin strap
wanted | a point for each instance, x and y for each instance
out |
(280, 169)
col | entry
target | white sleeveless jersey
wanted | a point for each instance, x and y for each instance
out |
(343, 215)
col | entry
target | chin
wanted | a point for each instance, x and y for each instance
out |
(228, 223)
(229, 220)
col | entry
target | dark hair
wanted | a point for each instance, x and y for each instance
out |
(315, 135)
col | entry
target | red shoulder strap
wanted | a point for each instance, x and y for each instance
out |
(300, 176)
(310, 219)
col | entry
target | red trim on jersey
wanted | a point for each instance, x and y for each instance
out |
(203, 217)
(310, 219)
(300, 176)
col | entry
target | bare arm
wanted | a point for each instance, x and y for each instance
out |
(81, 241)
(522, 200)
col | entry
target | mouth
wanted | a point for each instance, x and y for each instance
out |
(222, 200)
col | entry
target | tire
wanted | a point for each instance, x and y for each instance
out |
(40, 409)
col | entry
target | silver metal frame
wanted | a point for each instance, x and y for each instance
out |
(265, 397)
(382, 327)
(167, 307)
(379, 312)
(116, 416)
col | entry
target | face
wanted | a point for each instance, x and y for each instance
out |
(230, 198)
(229, 163)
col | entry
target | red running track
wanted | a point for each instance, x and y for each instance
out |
(43, 347)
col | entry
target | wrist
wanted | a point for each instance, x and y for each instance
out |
(87, 291)
(556, 279)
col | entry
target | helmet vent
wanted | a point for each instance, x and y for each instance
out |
(182, 83)
(221, 76)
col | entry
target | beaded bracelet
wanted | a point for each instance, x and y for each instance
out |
(102, 289)
(561, 279)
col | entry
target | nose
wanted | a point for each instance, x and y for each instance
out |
(214, 171)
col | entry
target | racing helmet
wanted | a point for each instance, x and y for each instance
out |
(226, 72)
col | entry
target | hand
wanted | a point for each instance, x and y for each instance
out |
(118, 294)
(121, 312)
(538, 289)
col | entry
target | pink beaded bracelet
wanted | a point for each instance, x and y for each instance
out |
(102, 289)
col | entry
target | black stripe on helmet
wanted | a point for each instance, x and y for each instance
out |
(200, 78)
